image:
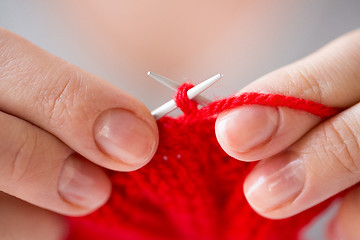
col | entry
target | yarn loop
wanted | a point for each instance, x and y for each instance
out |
(186, 105)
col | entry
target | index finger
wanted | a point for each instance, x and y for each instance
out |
(329, 76)
(99, 121)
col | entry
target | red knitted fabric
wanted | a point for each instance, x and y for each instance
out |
(192, 189)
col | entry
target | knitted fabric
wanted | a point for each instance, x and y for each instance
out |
(192, 189)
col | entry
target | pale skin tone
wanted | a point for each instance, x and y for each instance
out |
(303, 160)
(61, 126)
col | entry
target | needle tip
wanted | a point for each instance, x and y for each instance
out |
(149, 73)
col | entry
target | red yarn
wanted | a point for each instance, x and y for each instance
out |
(251, 98)
(183, 102)
(192, 189)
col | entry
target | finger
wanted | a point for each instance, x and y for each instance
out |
(20, 220)
(323, 163)
(329, 76)
(94, 118)
(345, 226)
(40, 169)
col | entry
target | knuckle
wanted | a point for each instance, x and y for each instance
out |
(59, 98)
(303, 77)
(21, 158)
(343, 145)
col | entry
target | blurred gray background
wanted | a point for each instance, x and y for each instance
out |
(188, 40)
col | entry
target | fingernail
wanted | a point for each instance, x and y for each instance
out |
(273, 183)
(82, 184)
(247, 127)
(124, 137)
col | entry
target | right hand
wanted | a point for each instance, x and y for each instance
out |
(303, 160)
(59, 127)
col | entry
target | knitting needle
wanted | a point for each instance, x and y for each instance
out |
(191, 93)
(174, 86)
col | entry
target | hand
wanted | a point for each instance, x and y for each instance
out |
(59, 127)
(303, 160)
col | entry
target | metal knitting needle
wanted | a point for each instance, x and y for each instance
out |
(174, 86)
(191, 93)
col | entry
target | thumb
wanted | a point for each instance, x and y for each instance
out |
(92, 117)
(301, 164)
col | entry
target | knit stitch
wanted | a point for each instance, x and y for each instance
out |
(192, 189)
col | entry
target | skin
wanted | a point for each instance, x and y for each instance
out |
(63, 126)
(303, 160)
(60, 127)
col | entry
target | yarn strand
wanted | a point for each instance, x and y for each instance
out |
(250, 98)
